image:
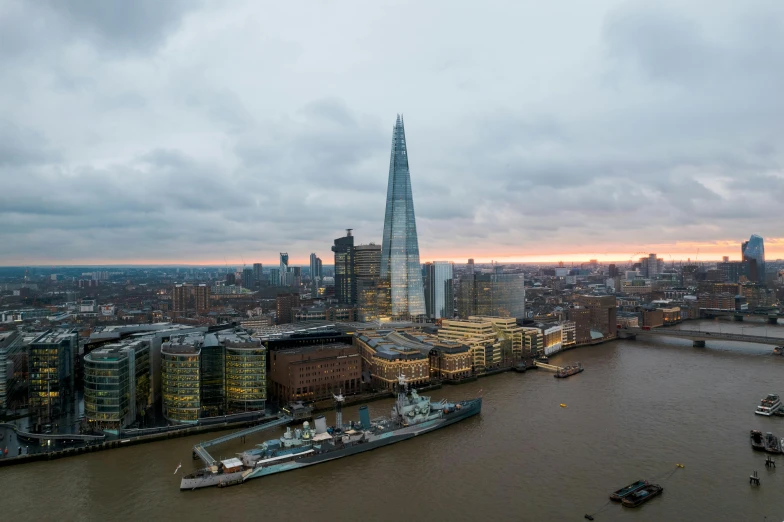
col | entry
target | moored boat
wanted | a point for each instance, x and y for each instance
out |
(627, 490)
(772, 443)
(568, 371)
(769, 405)
(642, 495)
(778, 350)
(757, 440)
(412, 415)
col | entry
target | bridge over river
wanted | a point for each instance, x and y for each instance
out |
(699, 337)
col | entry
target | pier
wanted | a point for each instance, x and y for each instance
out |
(200, 450)
(699, 337)
(548, 367)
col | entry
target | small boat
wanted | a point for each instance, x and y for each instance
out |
(769, 405)
(778, 350)
(626, 491)
(563, 405)
(642, 495)
(757, 440)
(772, 443)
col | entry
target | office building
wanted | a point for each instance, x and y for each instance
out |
(207, 375)
(439, 293)
(314, 372)
(603, 313)
(315, 268)
(192, 298)
(732, 271)
(581, 317)
(51, 375)
(283, 270)
(753, 252)
(248, 280)
(498, 294)
(117, 386)
(258, 270)
(181, 381)
(274, 277)
(388, 354)
(246, 372)
(345, 281)
(284, 304)
(400, 247)
(10, 345)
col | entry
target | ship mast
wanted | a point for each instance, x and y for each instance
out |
(402, 390)
(339, 399)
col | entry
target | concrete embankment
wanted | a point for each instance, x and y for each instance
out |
(129, 441)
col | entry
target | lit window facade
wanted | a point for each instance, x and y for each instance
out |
(180, 383)
(246, 377)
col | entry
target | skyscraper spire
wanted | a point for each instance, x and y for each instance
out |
(400, 248)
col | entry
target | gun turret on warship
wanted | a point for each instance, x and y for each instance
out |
(412, 415)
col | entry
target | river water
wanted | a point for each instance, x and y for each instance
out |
(638, 409)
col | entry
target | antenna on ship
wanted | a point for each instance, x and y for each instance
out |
(339, 399)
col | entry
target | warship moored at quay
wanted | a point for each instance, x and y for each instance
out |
(412, 415)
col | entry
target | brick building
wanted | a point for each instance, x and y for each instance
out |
(315, 372)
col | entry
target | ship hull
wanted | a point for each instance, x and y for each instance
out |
(208, 481)
(384, 440)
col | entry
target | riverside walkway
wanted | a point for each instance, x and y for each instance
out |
(698, 336)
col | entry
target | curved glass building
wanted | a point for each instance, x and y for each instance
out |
(400, 248)
(246, 375)
(753, 252)
(181, 382)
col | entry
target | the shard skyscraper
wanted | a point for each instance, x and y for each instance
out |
(400, 268)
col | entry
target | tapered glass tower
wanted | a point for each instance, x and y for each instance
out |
(753, 252)
(400, 266)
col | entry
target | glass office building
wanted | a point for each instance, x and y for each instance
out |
(753, 252)
(116, 384)
(246, 376)
(180, 382)
(400, 248)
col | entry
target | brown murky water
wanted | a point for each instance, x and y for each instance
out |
(638, 409)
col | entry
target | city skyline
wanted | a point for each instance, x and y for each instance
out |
(119, 147)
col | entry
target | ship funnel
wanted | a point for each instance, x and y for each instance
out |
(321, 424)
(364, 417)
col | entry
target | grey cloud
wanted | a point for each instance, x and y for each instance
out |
(199, 131)
(137, 26)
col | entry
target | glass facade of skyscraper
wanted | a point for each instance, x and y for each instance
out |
(400, 247)
(753, 252)
(246, 376)
(439, 296)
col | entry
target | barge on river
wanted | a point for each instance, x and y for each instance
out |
(642, 495)
(624, 492)
(412, 415)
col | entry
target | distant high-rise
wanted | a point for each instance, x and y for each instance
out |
(439, 295)
(189, 298)
(284, 269)
(367, 261)
(257, 271)
(315, 267)
(753, 252)
(345, 282)
(247, 278)
(400, 248)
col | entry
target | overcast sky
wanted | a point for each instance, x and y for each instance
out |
(181, 131)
